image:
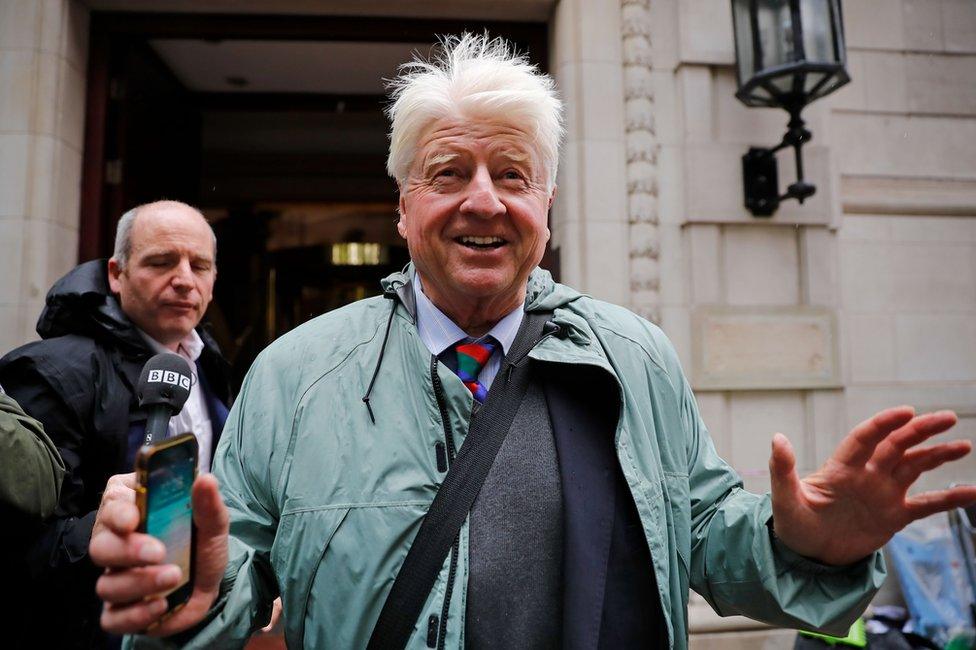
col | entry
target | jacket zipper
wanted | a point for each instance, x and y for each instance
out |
(449, 441)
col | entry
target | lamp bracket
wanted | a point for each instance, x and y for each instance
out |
(760, 177)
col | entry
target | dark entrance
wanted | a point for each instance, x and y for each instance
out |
(273, 126)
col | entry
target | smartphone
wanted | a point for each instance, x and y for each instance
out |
(165, 473)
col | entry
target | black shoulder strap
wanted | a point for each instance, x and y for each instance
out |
(457, 492)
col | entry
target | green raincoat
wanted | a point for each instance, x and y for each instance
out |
(324, 503)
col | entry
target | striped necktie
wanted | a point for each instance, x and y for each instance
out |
(471, 358)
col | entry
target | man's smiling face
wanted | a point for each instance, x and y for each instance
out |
(473, 210)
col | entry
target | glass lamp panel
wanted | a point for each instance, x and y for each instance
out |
(743, 40)
(818, 32)
(776, 33)
(783, 83)
(829, 87)
(813, 78)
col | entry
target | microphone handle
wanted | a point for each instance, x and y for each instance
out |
(157, 424)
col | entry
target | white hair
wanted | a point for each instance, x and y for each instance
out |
(123, 231)
(473, 77)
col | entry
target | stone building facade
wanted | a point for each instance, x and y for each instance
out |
(805, 323)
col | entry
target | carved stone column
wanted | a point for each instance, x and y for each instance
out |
(642, 149)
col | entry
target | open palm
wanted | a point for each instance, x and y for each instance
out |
(858, 499)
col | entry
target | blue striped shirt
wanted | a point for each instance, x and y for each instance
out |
(438, 332)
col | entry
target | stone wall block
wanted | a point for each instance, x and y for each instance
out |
(19, 23)
(608, 270)
(604, 172)
(950, 230)
(18, 73)
(597, 91)
(906, 146)
(923, 25)
(936, 347)
(71, 111)
(671, 185)
(819, 260)
(761, 266)
(705, 30)
(877, 276)
(11, 260)
(874, 24)
(941, 84)
(713, 407)
(695, 82)
(826, 410)
(51, 93)
(676, 321)
(68, 188)
(600, 29)
(884, 81)
(45, 164)
(45, 264)
(14, 150)
(865, 228)
(672, 257)
(739, 348)
(706, 266)
(53, 15)
(959, 25)
(871, 347)
(754, 418)
(664, 34)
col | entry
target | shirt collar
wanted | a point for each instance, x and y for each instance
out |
(190, 347)
(439, 332)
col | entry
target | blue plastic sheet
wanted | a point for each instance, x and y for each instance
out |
(934, 579)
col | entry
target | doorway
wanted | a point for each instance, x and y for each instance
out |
(274, 127)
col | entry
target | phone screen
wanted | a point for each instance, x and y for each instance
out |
(169, 510)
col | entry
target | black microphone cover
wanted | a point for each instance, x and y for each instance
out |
(165, 381)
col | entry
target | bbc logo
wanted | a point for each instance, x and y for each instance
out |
(169, 377)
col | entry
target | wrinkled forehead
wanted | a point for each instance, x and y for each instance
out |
(451, 138)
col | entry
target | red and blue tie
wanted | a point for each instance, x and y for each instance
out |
(471, 358)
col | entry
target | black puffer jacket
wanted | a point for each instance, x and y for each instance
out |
(79, 381)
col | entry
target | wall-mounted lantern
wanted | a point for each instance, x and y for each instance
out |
(788, 53)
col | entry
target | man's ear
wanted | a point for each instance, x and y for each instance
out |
(401, 222)
(114, 271)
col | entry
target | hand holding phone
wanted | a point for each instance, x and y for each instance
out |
(135, 562)
(164, 478)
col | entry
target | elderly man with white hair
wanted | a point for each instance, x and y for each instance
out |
(483, 457)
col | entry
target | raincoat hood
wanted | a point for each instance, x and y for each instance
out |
(81, 303)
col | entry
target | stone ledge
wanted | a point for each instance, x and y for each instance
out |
(906, 195)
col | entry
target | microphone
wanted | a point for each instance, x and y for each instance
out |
(163, 389)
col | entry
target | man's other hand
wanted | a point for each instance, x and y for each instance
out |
(133, 561)
(859, 499)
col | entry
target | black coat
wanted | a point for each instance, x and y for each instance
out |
(79, 381)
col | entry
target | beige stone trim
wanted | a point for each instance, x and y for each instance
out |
(764, 348)
(642, 149)
(901, 195)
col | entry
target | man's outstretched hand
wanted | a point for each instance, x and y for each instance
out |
(134, 572)
(853, 505)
